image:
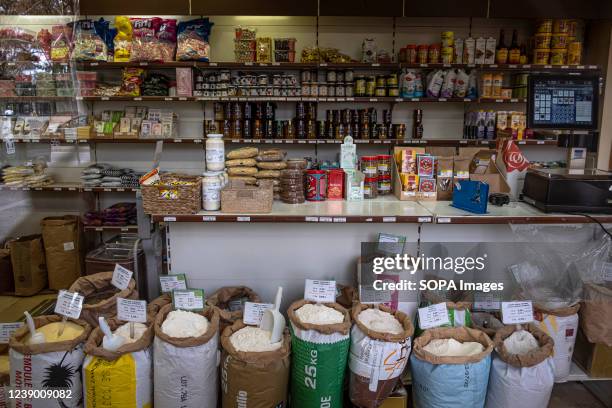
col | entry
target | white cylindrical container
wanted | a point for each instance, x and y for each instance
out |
(212, 183)
(215, 152)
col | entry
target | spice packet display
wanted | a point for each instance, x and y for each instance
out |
(131, 81)
(425, 165)
(410, 182)
(89, 44)
(123, 39)
(144, 39)
(427, 185)
(60, 44)
(192, 40)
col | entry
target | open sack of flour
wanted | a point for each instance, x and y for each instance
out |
(380, 348)
(185, 358)
(320, 340)
(522, 371)
(101, 296)
(123, 377)
(486, 322)
(54, 363)
(229, 301)
(450, 368)
(154, 306)
(562, 325)
(254, 372)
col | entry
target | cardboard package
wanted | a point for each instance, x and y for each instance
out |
(400, 165)
(512, 165)
(594, 359)
(63, 250)
(484, 168)
(28, 261)
(444, 182)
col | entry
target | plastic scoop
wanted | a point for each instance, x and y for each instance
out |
(110, 342)
(35, 337)
(272, 320)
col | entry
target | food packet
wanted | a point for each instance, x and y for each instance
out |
(123, 39)
(88, 44)
(107, 34)
(408, 84)
(461, 84)
(472, 91)
(192, 41)
(45, 38)
(131, 81)
(435, 80)
(60, 44)
(144, 39)
(449, 84)
(165, 47)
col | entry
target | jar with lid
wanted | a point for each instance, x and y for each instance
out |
(381, 91)
(340, 89)
(322, 89)
(392, 80)
(314, 89)
(331, 75)
(340, 76)
(434, 53)
(422, 53)
(384, 185)
(381, 81)
(370, 187)
(411, 54)
(384, 165)
(215, 152)
(369, 165)
(212, 183)
(305, 76)
(360, 86)
(349, 90)
(305, 88)
(348, 75)
(331, 90)
(370, 86)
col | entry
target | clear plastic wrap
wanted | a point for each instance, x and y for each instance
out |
(89, 44)
(192, 40)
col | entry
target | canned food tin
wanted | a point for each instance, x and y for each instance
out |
(392, 80)
(316, 185)
(574, 53)
(448, 38)
(331, 76)
(381, 91)
(348, 75)
(360, 86)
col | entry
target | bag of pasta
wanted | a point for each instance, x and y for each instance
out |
(88, 43)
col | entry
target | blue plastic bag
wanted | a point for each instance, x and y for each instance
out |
(192, 40)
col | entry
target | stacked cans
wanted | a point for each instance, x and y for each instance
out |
(292, 184)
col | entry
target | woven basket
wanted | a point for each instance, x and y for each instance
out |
(242, 199)
(165, 198)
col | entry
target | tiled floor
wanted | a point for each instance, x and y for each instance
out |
(574, 395)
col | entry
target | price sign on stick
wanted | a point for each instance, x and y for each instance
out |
(517, 312)
(121, 277)
(323, 291)
(7, 330)
(130, 310)
(189, 299)
(69, 304)
(433, 316)
(253, 312)
(170, 282)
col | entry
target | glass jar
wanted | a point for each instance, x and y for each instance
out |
(384, 165)
(360, 86)
(212, 183)
(384, 185)
(369, 166)
(370, 86)
(331, 76)
(370, 187)
(215, 152)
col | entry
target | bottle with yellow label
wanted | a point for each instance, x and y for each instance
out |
(501, 53)
(514, 54)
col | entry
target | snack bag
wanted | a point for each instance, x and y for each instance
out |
(144, 39)
(131, 81)
(123, 39)
(166, 45)
(88, 44)
(193, 40)
(107, 34)
(60, 44)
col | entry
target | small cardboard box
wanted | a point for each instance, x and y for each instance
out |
(483, 168)
(399, 399)
(594, 359)
(397, 182)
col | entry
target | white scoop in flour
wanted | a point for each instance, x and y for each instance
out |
(272, 320)
(110, 342)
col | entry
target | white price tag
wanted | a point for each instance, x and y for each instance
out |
(7, 330)
(253, 312)
(69, 246)
(389, 219)
(189, 299)
(486, 301)
(517, 312)
(433, 316)
(121, 277)
(320, 290)
(69, 304)
(130, 310)
(170, 282)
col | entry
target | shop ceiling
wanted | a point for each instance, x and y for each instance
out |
(587, 9)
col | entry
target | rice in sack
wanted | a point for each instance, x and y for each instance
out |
(229, 301)
(380, 347)
(562, 325)
(255, 379)
(320, 340)
(521, 380)
(450, 381)
(50, 365)
(123, 376)
(101, 296)
(185, 358)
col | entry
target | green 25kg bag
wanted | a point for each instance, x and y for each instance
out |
(318, 360)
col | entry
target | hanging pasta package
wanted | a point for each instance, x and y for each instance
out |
(192, 40)
(88, 43)
(123, 39)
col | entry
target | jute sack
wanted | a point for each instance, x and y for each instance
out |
(562, 325)
(229, 301)
(157, 304)
(597, 304)
(185, 369)
(123, 376)
(48, 365)
(450, 382)
(459, 314)
(486, 322)
(521, 380)
(376, 360)
(101, 296)
(319, 358)
(257, 380)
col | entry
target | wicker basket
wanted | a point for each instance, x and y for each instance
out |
(165, 198)
(240, 198)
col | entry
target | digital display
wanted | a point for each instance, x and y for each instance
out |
(562, 102)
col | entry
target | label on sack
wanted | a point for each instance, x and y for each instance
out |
(253, 312)
(433, 316)
(170, 282)
(69, 304)
(7, 330)
(323, 291)
(121, 277)
(189, 299)
(69, 246)
(486, 301)
(130, 310)
(517, 312)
